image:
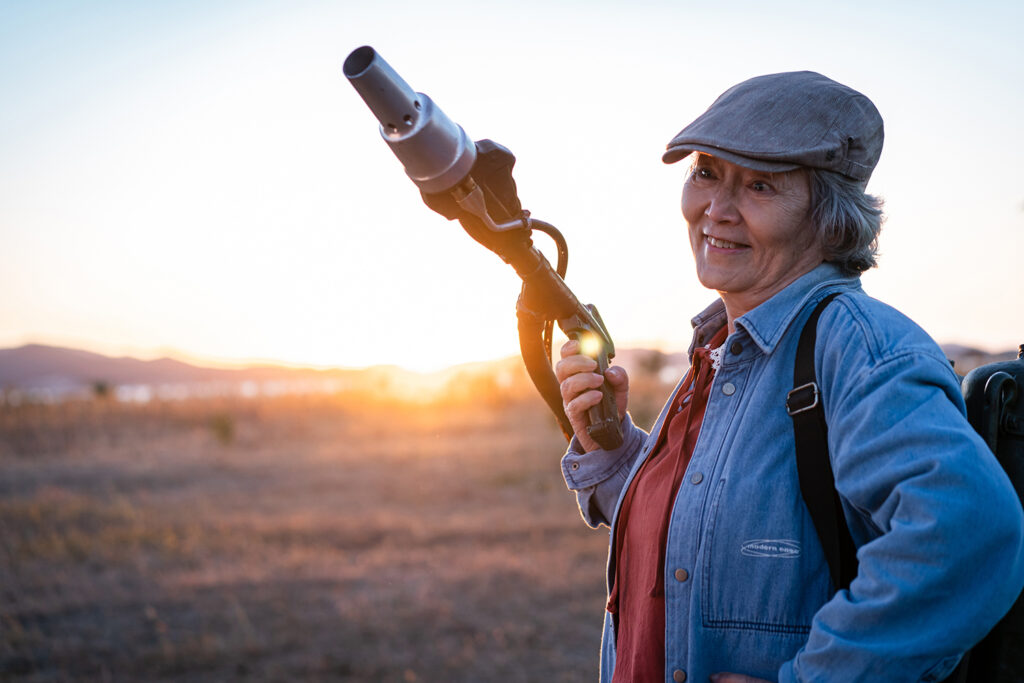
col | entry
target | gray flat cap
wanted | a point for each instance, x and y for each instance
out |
(781, 122)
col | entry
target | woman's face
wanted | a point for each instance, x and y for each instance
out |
(750, 231)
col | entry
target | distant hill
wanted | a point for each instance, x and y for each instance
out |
(966, 358)
(55, 372)
(36, 365)
(39, 365)
(50, 373)
(37, 372)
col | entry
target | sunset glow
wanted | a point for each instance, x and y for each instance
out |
(590, 344)
(200, 180)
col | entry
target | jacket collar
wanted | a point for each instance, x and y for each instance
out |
(766, 323)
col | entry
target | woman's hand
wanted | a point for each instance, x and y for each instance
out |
(580, 386)
(735, 678)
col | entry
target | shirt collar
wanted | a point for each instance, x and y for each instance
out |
(705, 324)
(766, 323)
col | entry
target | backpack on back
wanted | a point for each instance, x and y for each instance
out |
(994, 395)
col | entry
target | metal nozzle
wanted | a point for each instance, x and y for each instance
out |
(436, 152)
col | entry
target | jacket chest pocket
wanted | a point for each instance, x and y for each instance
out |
(762, 568)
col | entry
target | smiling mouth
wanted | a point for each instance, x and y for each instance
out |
(723, 244)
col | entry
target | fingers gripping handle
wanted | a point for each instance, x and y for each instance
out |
(603, 419)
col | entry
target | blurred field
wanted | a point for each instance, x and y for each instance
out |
(349, 537)
(293, 538)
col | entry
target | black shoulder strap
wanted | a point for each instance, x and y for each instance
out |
(817, 483)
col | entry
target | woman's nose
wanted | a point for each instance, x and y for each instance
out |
(721, 206)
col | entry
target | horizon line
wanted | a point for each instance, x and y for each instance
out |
(243, 363)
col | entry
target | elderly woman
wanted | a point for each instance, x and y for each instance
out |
(715, 567)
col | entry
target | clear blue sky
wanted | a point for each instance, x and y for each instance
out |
(198, 178)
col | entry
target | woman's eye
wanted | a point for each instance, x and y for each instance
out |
(703, 172)
(760, 186)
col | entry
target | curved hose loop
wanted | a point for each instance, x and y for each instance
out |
(563, 263)
(533, 328)
(536, 358)
(552, 232)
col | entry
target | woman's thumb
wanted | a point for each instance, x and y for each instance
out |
(619, 381)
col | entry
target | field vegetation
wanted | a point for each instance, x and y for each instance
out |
(348, 537)
(405, 529)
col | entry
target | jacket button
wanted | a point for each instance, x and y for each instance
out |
(728, 388)
(682, 575)
(697, 478)
(679, 676)
(736, 348)
(575, 465)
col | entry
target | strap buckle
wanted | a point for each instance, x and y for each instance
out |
(802, 398)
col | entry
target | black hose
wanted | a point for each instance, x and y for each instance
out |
(563, 249)
(538, 366)
(563, 263)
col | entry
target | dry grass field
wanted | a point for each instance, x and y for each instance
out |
(299, 538)
(341, 538)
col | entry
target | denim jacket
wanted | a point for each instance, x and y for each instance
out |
(939, 529)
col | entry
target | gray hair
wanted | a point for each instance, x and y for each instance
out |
(847, 218)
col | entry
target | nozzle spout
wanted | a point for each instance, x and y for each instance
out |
(436, 152)
(389, 97)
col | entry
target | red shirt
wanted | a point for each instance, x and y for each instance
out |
(638, 596)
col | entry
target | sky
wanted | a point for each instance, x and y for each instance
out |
(198, 179)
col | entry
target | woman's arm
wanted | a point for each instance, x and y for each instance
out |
(941, 555)
(596, 475)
